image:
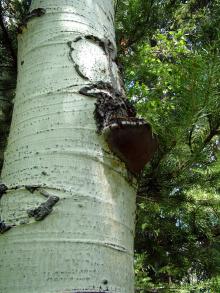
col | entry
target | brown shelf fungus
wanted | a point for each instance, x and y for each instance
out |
(132, 140)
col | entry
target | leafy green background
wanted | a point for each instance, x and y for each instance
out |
(170, 56)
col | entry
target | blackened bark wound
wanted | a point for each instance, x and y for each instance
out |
(109, 104)
(45, 208)
(108, 108)
(4, 227)
(3, 189)
(38, 12)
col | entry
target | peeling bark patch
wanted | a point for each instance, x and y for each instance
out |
(109, 50)
(44, 209)
(76, 66)
(105, 44)
(4, 227)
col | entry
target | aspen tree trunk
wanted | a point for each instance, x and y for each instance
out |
(69, 200)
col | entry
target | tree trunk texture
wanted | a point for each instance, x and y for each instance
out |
(68, 214)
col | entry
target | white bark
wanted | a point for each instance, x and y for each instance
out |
(86, 243)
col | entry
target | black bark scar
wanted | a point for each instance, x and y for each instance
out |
(45, 208)
(38, 12)
(3, 189)
(4, 227)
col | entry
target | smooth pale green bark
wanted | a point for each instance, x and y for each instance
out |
(86, 243)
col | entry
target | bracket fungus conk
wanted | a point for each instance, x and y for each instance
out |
(132, 140)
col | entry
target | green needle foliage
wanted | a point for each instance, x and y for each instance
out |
(170, 54)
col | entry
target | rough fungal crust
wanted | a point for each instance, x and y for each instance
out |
(129, 137)
(109, 105)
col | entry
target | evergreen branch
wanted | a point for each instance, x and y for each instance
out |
(136, 33)
(6, 38)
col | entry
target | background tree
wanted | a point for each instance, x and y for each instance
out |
(169, 50)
